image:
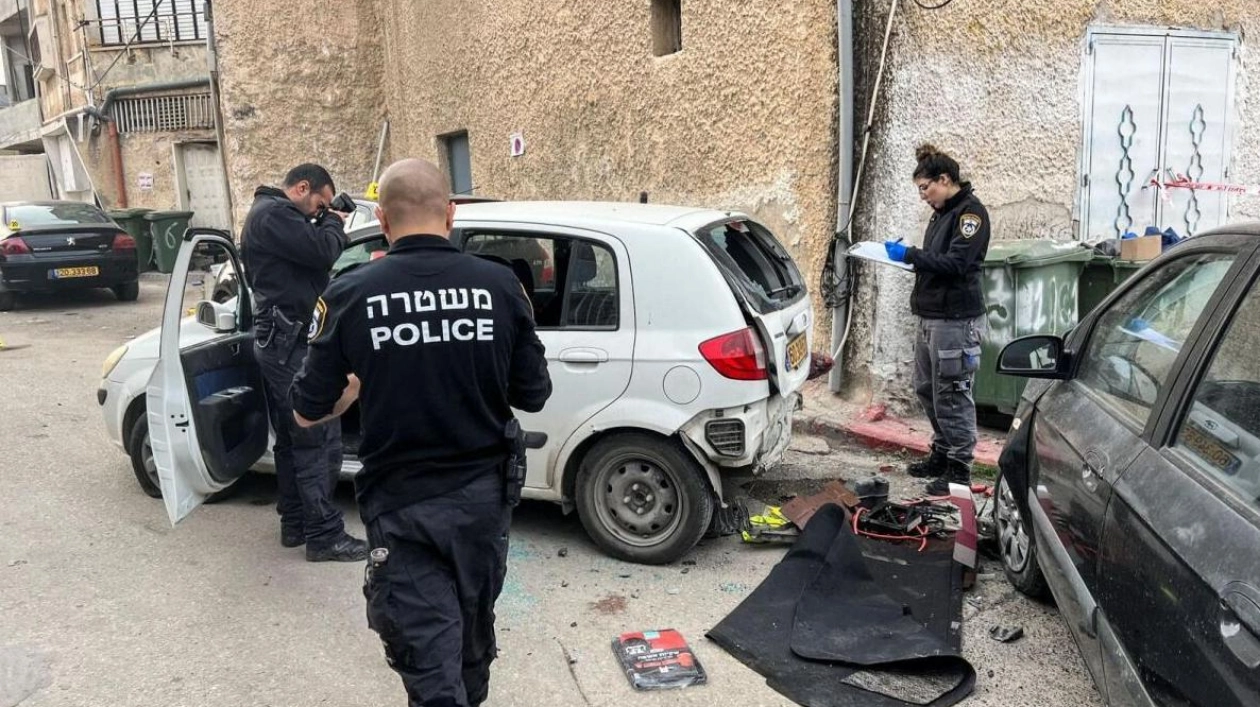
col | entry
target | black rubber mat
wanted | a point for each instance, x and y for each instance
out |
(843, 622)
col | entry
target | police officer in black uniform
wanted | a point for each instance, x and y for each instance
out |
(438, 346)
(949, 305)
(290, 242)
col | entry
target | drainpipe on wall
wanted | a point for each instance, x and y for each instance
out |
(102, 114)
(212, 58)
(844, 181)
(120, 177)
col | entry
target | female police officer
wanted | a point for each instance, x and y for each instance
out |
(949, 307)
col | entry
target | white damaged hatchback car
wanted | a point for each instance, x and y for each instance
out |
(677, 340)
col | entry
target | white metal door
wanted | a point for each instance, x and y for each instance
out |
(205, 193)
(1158, 102)
(1122, 134)
(1197, 110)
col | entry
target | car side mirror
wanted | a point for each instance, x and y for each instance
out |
(216, 317)
(1037, 356)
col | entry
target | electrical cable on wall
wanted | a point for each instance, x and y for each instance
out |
(938, 6)
(837, 289)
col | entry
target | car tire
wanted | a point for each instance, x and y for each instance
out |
(145, 469)
(128, 291)
(142, 463)
(643, 499)
(8, 301)
(1016, 544)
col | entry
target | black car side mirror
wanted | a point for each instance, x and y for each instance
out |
(1038, 356)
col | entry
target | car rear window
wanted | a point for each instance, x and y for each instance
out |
(755, 261)
(67, 214)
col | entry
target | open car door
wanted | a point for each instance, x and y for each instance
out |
(207, 413)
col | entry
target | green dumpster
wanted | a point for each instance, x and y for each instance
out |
(168, 229)
(132, 221)
(1102, 275)
(1030, 287)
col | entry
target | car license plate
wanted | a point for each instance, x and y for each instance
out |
(64, 273)
(1197, 440)
(797, 351)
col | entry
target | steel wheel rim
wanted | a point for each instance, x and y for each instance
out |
(638, 500)
(149, 463)
(1012, 533)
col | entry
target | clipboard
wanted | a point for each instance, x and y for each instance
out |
(875, 252)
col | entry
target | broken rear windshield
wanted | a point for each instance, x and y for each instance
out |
(756, 262)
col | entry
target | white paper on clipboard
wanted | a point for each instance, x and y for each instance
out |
(875, 252)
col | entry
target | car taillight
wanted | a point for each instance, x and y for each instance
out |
(14, 246)
(738, 355)
(124, 241)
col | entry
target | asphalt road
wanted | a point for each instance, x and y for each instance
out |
(103, 603)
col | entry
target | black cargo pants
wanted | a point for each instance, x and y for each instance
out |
(947, 356)
(308, 461)
(432, 601)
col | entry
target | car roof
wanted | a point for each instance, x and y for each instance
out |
(46, 202)
(596, 215)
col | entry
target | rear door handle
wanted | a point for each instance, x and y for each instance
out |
(1240, 622)
(584, 355)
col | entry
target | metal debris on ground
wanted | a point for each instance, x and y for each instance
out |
(1006, 634)
(799, 510)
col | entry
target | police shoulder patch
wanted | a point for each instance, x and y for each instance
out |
(969, 225)
(317, 320)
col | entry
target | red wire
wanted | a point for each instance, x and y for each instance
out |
(922, 530)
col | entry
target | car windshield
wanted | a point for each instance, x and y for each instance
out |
(756, 261)
(63, 214)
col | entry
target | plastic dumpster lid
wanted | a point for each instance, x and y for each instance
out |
(1035, 252)
(165, 215)
(128, 213)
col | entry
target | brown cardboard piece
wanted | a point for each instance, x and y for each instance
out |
(1141, 248)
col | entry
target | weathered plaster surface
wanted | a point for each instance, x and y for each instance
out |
(998, 85)
(300, 85)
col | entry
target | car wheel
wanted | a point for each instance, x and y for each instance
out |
(1016, 544)
(145, 468)
(8, 301)
(127, 292)
(142, 462)
(643, 499)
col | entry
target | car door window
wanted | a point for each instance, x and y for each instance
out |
(1136, 341)
(571, 282)
(1220, 433)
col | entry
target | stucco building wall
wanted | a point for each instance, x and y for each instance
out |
(999, 86)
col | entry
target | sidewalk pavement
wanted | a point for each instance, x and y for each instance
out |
(828, 414)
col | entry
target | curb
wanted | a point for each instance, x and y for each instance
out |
(887, 435)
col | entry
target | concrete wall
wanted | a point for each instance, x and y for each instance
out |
(301, 85)
(742, 118)
(998, 85)
(24, 177)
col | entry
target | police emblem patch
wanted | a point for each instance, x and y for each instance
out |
(969, 224)
(317, 320)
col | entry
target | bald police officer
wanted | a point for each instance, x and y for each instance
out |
(438, 346)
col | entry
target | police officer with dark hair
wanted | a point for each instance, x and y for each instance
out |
(438, 346)
(290, 242)
(949, 304)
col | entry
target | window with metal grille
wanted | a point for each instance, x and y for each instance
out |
(164, 113)
(152, 20)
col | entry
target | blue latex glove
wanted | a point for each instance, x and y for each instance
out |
(896, 251)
